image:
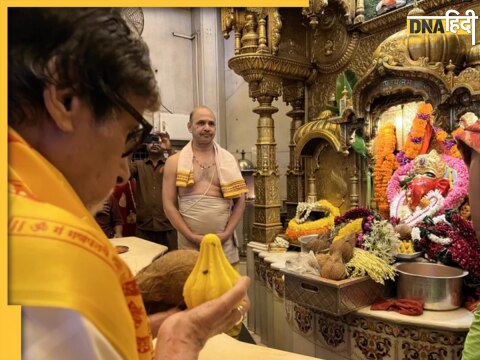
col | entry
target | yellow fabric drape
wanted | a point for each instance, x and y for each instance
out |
(59, 256)
(229, 175)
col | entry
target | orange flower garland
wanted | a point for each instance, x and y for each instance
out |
(385, 165)
(454, 150)
(420, 133)
(296, 229)
(449, 144)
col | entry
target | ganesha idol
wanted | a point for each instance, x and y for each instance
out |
(427, 186)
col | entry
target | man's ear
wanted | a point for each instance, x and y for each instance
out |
(189, 126)
(58, 103)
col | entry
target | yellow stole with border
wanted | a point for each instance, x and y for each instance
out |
(59, 256)
(229, 175)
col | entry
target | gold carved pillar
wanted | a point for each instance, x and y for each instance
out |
(267, 182)
(294, 94)
(258, 61)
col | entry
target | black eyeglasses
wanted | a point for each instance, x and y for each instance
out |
(153, 139)
(136, 137)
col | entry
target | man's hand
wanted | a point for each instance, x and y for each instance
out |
(182, 335)
(224, 236)
(197, 239)
(156, 320)
(166, 143)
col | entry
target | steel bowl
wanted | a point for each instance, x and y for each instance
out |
(439, 286)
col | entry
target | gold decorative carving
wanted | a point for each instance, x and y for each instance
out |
(260, 216)
(276, 27)
(250, 37)
(315, 13)
(332, 171)
(412, 67)
(257, 30)
(359, 12)
(333, 44)
(470, 76)
(265, 234)
(260, 196)
(322, 88)
(245, 65)
(293, 43)
(262, 31)
(363, 57)
(267, 214)
(415, 49)
(233, 19)
(268, 86)
(329, 47)
(227, 17)
(293, 91)
(315, 131)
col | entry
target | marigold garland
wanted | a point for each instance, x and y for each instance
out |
(417, 137)
(354, 226)
(454, 150)
(413, 144)
(385, 165)
(449, 144)
(295, 230)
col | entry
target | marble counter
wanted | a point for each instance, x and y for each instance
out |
(224, 347)
(140, 252)
(457, 320)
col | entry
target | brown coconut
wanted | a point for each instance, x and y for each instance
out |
(345, 246)
(161, 282)
(322, 259)
(404, 231)
(334, 268)
(317, 245)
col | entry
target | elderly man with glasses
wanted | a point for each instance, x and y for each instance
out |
(78, 81)
(152, 223)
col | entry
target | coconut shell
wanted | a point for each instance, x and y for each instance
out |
(404, 231)
(322, 259)
(162, 281)
(317, 245)
(334, 268)
(345, 246)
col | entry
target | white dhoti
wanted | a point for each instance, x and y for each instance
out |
(207, 214)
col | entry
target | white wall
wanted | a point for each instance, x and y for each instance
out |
(171, 56)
